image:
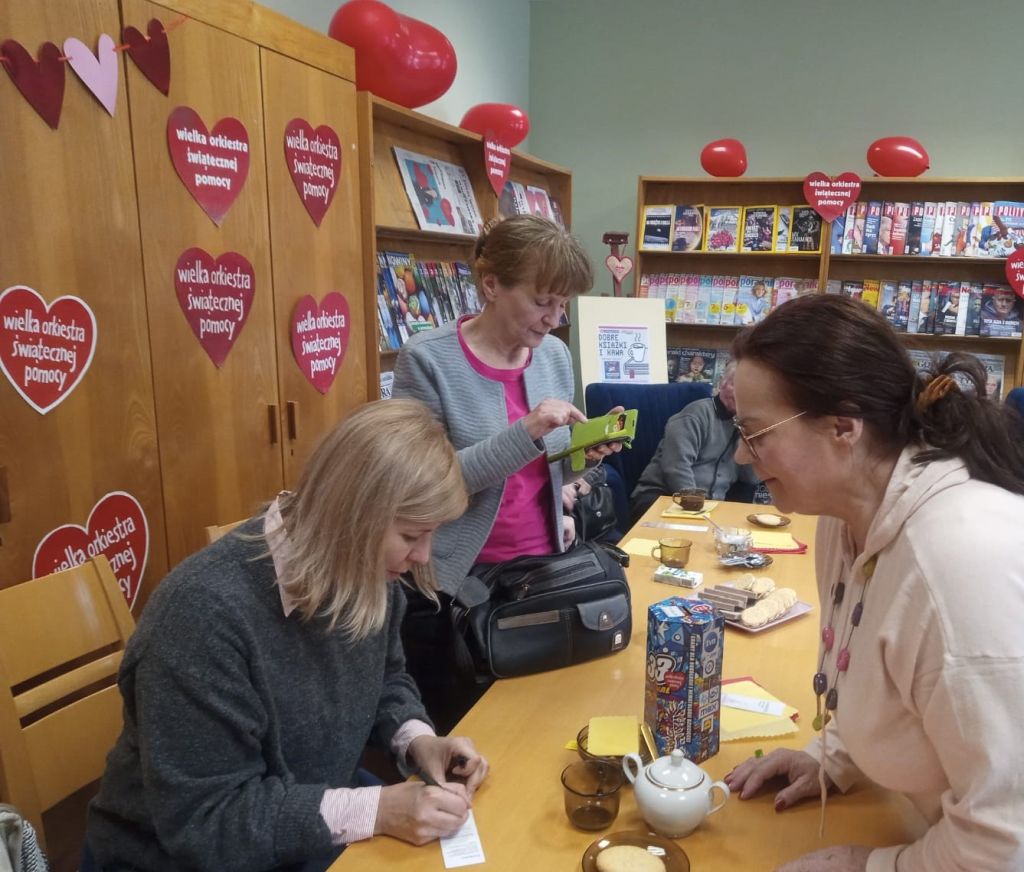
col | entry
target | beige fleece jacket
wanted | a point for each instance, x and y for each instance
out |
(932, 705)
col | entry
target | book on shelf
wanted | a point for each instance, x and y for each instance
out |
(440, 193)
(657, 232)
(722, 229)
(759, 224)
(804, 230)
(687, 228)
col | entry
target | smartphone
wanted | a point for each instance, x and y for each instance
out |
(617, 427)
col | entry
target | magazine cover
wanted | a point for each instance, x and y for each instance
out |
(887, 300)
(786, 289)
(730, 287)
(722, 361)
(915, 228)
(925, 321)
(962, 229)
(901, 307)
(723, 227)
(885, 228)
(540, 202)
(870, 293)
(413, 304)
(705, 285)
(782, 230)
(974, 291)
(900, 225)
(688, 228)
(758, 228)
(995, 366)
(657, 233)
(872, 222)
(835, 237)
(467, 287)
(859, 222)
(849, 220)
(1001, 312)
(804, 230)
(440, 193)
(927, 229)
(948, 229)
(980, 229)
(717, 301)
(696, 365)
(1008, 221)
(513, 200)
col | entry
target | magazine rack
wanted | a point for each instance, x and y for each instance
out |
(824, 266)
(389, 222)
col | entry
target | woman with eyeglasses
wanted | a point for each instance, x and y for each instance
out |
(919, 482)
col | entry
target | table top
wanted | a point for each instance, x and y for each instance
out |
(523, 724)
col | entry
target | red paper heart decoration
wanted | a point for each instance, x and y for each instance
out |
(1015, 271)
(45, 350)
(314, 162)
(216, 295)
(619, 267)
(41, 82)
(116, 528)
(320, 338)
(724, 158)
(498, 161)
(897, 156)
(213, 165)
(151, 53)
(502, 122)
(397, 57)
(830, 197)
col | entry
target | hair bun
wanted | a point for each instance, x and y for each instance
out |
(481, 240)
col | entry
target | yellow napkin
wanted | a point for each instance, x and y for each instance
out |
(778, 541)
(739, 724)
(640, 547)
(612, 735)
(675, 511)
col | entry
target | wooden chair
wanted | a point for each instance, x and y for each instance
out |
(214, 532)
(62, 638)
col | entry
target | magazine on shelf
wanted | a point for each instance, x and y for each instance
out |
(440, 193)
(688, 228)
(900, 226)
(859, 225)
(804, 230)
(782, 230)
(513, 200)
(657, 228)
(928, 228)
(995, 368)
(540, 202)
(1007, 231)
(872, 223)
(695, 365)
(758, 228)
(723, 229)
(835, 235)
(1001, 312)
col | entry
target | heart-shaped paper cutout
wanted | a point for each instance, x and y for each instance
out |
(41, 82)
(98, 72)
(619, 267)
(314, 162)
(498, 161)
(830, 197)
(116, 528)
(151, 53)
(216, 295)
(212, 164)
(45, 349)
(1015, 271)
(320, 338)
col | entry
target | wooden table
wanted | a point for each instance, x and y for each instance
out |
(522, 725)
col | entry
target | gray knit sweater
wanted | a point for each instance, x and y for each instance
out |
(237, 719)
(432, 368)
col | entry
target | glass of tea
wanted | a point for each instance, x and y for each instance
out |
(591, 789)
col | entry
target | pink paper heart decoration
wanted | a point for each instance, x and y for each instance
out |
(117, 528)
(98, 72)
(498, 161)
(314, 163)
(1015, 271)
(212, 164)
(619, 267)
(320, 338)
(216, 295)
(45, 350)
(830, 197)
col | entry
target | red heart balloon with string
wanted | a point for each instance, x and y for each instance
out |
(41, 82)
(151, 53)
(831, 197)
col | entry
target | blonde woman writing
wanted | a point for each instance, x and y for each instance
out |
(264, 664)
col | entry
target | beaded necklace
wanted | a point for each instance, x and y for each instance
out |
(822, 691)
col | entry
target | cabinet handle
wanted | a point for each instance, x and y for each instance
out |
(272, 421)
(5, 497)
(293, 420)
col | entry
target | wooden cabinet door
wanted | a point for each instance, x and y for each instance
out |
(70, 227)
(313, 260)
(218, 455)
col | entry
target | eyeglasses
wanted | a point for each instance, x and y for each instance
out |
(749, 440)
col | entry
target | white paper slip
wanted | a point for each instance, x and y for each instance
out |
(463, 848)
(753, 704)
(693, 528)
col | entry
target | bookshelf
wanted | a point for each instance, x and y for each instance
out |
(389, 223)
(824, 267)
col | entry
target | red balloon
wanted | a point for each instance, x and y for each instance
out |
(398, 58)
(897, 156)
(725, 158)
(506, 124)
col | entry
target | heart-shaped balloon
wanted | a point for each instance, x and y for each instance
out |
(502, 122)
(151, 53)
(40, 82)
(45, 350)
(314, 163)
(897, 156)
(320, 338)
(399, 58)
(98, 72)
(216, 295)
(830, 197)
(724, 158)
(619, 267)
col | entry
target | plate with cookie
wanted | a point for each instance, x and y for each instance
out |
(754, 603)
(635, 852)
(768, 520)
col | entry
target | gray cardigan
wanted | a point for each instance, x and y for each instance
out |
(237, 719)
(432, 368)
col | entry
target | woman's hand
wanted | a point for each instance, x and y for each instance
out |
(841, 858)
(798, 767)
(416, 813)
(550, 414)
(600, 452)
(443, 756)
(568, 531)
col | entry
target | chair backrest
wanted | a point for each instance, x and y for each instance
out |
(1015, 399)
(655, 405)
(214, 533)
(62, 638)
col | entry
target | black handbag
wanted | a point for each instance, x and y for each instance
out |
(594, 512)
(536, 613)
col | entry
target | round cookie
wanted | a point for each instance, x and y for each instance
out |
(628, 858)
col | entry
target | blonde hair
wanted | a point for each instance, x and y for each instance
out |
(525, 248)
(388, 461)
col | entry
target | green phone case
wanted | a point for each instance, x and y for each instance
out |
(619, 427)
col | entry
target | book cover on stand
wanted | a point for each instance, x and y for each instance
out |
(723, 228)
(657, 228)
(688, 228)
(759, 224)
(440, 193)
(805, 230)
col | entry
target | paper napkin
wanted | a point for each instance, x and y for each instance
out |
(776, 542)
(739, 723)
(675, 511)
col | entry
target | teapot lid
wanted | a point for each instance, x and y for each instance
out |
(675, 772)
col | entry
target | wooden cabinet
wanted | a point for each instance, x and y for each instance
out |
(824, 267)
(390, 223)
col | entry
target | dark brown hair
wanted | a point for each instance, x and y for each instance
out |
(525, 248)
(836, 356)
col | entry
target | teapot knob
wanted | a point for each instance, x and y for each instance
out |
(678, 758)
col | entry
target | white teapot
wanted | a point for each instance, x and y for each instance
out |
(673, 793)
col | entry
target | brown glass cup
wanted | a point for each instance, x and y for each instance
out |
(690, 499)
(591, 789)
(673, 552)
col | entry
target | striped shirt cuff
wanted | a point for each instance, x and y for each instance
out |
(350, 813)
